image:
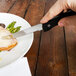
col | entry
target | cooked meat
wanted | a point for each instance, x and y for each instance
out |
(3, 25)
(7, 41)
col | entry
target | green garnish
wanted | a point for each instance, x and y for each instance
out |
(16, 29)
(0, 51)
(11, 27)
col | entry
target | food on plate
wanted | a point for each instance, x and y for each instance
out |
(7, 41)
(13, 29)
(3, 25)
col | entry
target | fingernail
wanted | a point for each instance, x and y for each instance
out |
(61, 24)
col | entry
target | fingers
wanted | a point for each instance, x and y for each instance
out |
(67, 21)
(72, 4)
(54, 10)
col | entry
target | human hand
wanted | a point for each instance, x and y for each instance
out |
(59, 6)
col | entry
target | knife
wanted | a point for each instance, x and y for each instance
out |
(46, 26)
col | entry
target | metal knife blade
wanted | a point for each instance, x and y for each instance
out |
(29, 30)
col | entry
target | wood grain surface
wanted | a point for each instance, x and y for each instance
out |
(53, 53)
(6, 5)
(70, 32)
(20, 7)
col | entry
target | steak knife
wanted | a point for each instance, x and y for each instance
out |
(46, 26)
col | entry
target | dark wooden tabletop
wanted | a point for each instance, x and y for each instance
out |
(53, 53)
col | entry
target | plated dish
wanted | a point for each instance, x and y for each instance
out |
(23, 43)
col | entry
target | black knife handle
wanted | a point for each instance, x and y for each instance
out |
(54, 22)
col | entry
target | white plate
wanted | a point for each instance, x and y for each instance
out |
(24, 43)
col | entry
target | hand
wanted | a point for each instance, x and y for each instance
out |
(59, 6)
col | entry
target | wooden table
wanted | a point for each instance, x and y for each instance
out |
(53, 53)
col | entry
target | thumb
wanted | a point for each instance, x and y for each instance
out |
(54, 10)
(71, 20)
